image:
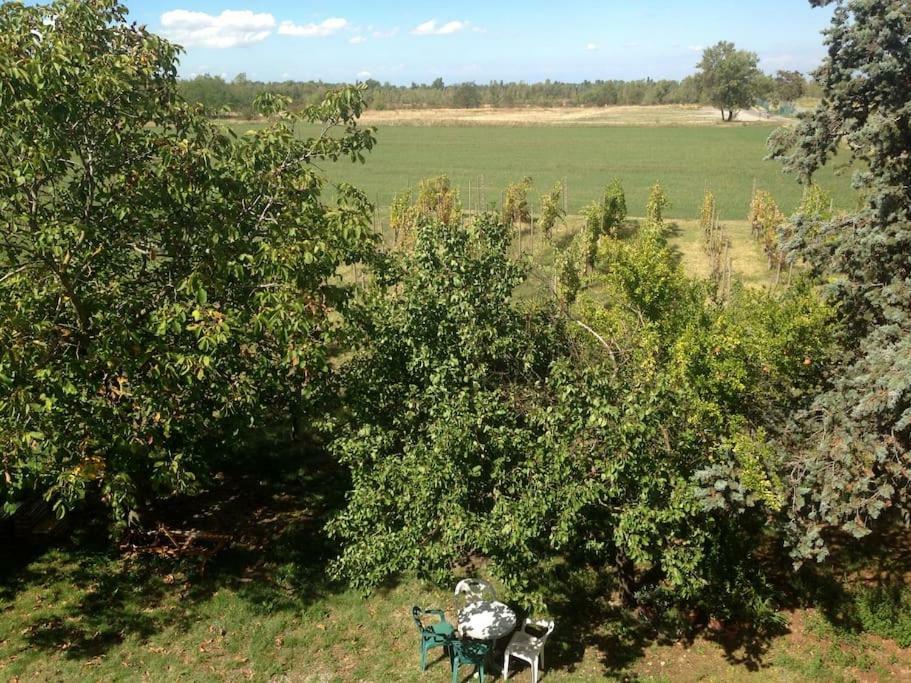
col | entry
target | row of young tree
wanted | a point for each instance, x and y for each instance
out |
(169, 289)
(741, 87)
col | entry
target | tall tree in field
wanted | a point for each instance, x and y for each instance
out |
(856, 460)
(730, 78)
(163, 281)
(466, 96)
(789, 86)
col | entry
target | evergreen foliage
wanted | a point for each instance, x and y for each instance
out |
(854, 461)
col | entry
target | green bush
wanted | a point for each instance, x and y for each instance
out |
(886, 611)
(632, 430)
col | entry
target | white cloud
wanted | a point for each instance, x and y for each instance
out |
(325, 28)
(357, 40)
(364, 74)
(591, 46)
(695, 48)
(431, 28)
(386, 34)
(228, 29)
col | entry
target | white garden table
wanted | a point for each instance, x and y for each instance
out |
(486, 620)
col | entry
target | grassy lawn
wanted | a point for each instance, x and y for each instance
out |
(263, 609)
(686, 160)
(747, 259)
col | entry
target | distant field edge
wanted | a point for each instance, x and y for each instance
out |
(616, 115)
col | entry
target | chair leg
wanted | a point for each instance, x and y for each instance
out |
(534, 671)
(481, 671)
(506, 666)
(541, 663)
(455, 671)
(423, 656)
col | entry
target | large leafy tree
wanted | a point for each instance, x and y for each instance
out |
(855, 461)
(789, 85)
(730, 78)
(433, 430)
(162, 281)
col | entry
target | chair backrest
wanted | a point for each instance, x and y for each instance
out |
(475, 588)
(545, 625)
(416, 614)
(469, 650)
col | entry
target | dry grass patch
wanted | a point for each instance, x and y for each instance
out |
(651, 115)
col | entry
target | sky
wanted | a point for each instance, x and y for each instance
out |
(404, 41)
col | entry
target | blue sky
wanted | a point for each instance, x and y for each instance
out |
(401, 41)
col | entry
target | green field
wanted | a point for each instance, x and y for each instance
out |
(686, 160)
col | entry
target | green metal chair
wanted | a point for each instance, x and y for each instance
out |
(438, 634)
(464, 651)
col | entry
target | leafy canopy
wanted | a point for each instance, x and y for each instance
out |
(163, 282)
(432, 434)
(633, 430)
(730, 78)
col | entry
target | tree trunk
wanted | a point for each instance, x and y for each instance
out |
(626, 578)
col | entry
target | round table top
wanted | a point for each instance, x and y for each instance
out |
(486, 620)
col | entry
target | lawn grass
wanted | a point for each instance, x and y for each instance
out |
(263, 609)
(686, 160)
(748, 262)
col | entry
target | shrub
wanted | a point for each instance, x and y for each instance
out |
(551, 209)
(766, 219)
(614, 208)
(654, 209)
(515, 203)
(632, 431)
(886, 611)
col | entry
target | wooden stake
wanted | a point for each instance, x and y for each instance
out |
(469, 195)
(531, 213)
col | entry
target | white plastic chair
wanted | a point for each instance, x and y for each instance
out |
(475, 589)
(529, 647)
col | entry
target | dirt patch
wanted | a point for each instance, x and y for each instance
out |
(653, 115)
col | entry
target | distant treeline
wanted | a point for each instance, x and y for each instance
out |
(236, 96)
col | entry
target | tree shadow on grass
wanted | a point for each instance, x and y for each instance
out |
(580, 602)
(90, 597)
(671, 231)
(115, 603)
(745, 646)
(587, 618)
(628, 228)
(878, 565)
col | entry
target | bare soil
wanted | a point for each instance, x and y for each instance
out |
(651, 115)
